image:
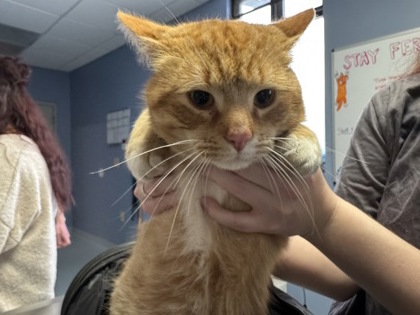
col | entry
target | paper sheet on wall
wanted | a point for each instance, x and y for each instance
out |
(118, 126)
(361, 70)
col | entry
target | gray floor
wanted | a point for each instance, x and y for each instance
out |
(71, 259)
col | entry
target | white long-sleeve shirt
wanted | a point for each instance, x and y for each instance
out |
(28, 252)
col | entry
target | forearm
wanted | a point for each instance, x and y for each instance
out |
(303, 264)
(379, 261)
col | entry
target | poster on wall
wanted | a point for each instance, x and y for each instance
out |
(360, 71)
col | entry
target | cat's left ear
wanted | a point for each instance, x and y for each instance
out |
(294, 26)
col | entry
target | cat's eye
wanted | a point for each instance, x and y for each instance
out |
(201, 99)
(264, 98)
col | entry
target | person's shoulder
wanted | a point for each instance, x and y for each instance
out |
(396, 95)
(406, 83)
(16, 141)
(20, 150)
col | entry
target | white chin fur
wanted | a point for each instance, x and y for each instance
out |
(233, 165)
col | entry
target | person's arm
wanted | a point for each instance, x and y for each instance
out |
(362, 182)
(379, 261)
(61, 231)
(303, 264)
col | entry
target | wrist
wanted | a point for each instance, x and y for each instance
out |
(324, 208)
(61, 217)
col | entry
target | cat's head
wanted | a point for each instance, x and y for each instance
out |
(227, 84)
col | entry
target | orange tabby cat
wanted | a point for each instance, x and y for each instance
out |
(222, 93)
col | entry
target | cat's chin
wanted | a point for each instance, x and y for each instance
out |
(233, 165)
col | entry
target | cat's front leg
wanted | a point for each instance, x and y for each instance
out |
(147, 154)
(301, 149)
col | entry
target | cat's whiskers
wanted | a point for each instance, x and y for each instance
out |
(166, 175)
(283, 168)
(286, 162)
(165, 160)
(142, 153)
(288, 180)
(279, 168)
(148, 172)
(205, 173)
(289, 168)
(159, 182)
(169, 10)
(270, 177)
(284, 139)
(124, 194)
(346, 156)
(137, 209)
(196, 173)
(173, 183)
(181, 197)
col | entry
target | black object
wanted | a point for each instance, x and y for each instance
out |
(354, 306)
(282, 303)
(89, 292)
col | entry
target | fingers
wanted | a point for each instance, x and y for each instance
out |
(254, 221)
(240, 221)
(159, 204)
(153, 188)
(62, 236)
(257, 174)
(63, 241)
(156, 195)
(239, 186)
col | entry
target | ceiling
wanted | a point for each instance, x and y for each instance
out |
(67, 34)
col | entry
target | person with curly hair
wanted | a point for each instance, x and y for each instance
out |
(35, 190)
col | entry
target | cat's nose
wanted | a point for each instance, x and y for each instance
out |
(238, 139)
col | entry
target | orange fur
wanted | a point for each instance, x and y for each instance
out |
(183, 262)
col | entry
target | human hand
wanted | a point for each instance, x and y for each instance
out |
(281, 204)
(156, 195)
(61, 231)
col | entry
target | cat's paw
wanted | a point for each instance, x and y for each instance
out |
(147, 154)
(146, 165)
(302, 151)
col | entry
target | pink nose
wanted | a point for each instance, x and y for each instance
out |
(238, 139)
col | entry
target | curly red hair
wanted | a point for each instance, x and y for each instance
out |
(20, 114)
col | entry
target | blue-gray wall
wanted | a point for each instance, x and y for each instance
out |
(108, 84)
(51, 86)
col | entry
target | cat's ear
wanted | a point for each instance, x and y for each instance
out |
(294, 26)
(143, 34)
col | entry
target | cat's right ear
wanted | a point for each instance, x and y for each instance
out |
(294, 26)
(143, 35)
